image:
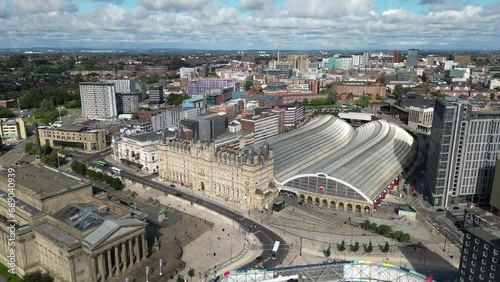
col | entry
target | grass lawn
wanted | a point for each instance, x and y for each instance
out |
(4, 271)
(323, 106)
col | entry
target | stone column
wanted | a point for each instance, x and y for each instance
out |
(110, 264)
(100, 261)
(124, 256)
(144, 246)
(72, 268)
(136, 251)
(117, 260)
(130, 253)
(93, 268)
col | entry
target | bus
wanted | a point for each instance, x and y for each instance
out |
(102, 164)
(274, 252)
(116, 170)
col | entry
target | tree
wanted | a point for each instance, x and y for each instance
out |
(366, 225)
(355, 247)
(363, 101)
(6, 113)
(350, 96)
(117, 183)
(385, 230)
(248, 84)
(385, 249)
(332, 97)
(369, 248)
(327, 252)
(305, 102)
(46, 150)
(341, 246)
(79, 168)
(492, 96)
(180, 279)
(30, 148)
(191, 273)
(37, 276)
(47, 105)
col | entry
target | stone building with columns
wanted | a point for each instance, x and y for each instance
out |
(62, 229)
(242, 177)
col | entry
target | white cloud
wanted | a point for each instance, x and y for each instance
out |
(293, 25)
(252, 5)
(22, 7)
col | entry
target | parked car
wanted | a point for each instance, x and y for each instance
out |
(440, 210)
(259, 258)
(178, 194)
(172, 185)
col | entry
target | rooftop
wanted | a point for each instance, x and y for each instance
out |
(57, 234)
(45, 181)
(366, 159)
(65, 127)
(488, 234)
(84, 216)
(144, 137)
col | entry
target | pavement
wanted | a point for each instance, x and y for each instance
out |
(265, 236)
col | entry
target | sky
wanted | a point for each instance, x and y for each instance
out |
(251, 24)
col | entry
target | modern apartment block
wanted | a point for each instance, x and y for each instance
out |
(294, 115)
(128, 103)
(420, 118)
(203, 85)
(122, 85)
(396, 56)
(13, 129)
(264, 125)
(412, 59)
(156, 95)
(463, 149)
(98, 100)
(480, 255)
(172, 118)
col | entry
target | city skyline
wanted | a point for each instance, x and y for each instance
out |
(250, 24)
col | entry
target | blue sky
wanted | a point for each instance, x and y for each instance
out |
(251, 24)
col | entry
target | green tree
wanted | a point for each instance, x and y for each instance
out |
(46, 105)
(37, 276)
(327, 252)
(135, 116)
(332, 97)
(366, 225)
(350, 96)
(180, 278)
(385, 248)
(191, 273)
(117, 184)
(305, 102)
(385, 230)
(248, 84)
(363, 101)
(398, 91)
(492, 95)
(30, 148)
(405, 238)
(355, 247)
(6, 113)
(79, 168)
(369, 248)
(46, 150)
(341, 246)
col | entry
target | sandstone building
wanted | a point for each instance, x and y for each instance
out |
(242, 177)
(65, 231)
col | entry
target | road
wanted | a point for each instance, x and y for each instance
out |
(263, 234)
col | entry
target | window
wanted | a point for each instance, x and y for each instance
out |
(486, 246)
(466, 251)
(495, 251)
(494, 268)
(481, 276)
(476, 241)
(468, 236)
(485, 254)
(467, 243)
(483, 269)
(495, 260)
(473, 263)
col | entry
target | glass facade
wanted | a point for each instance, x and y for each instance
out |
(324, 186)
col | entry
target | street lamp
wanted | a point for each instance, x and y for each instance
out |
(161, 263)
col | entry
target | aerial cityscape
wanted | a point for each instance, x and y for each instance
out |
(239, 140)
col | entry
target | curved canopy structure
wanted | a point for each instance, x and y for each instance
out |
(329, 157)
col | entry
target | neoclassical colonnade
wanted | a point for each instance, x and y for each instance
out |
(335, 203)
(118, 258)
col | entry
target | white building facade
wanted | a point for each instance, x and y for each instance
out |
(420, 118)
(139, 150)
(98, 100)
